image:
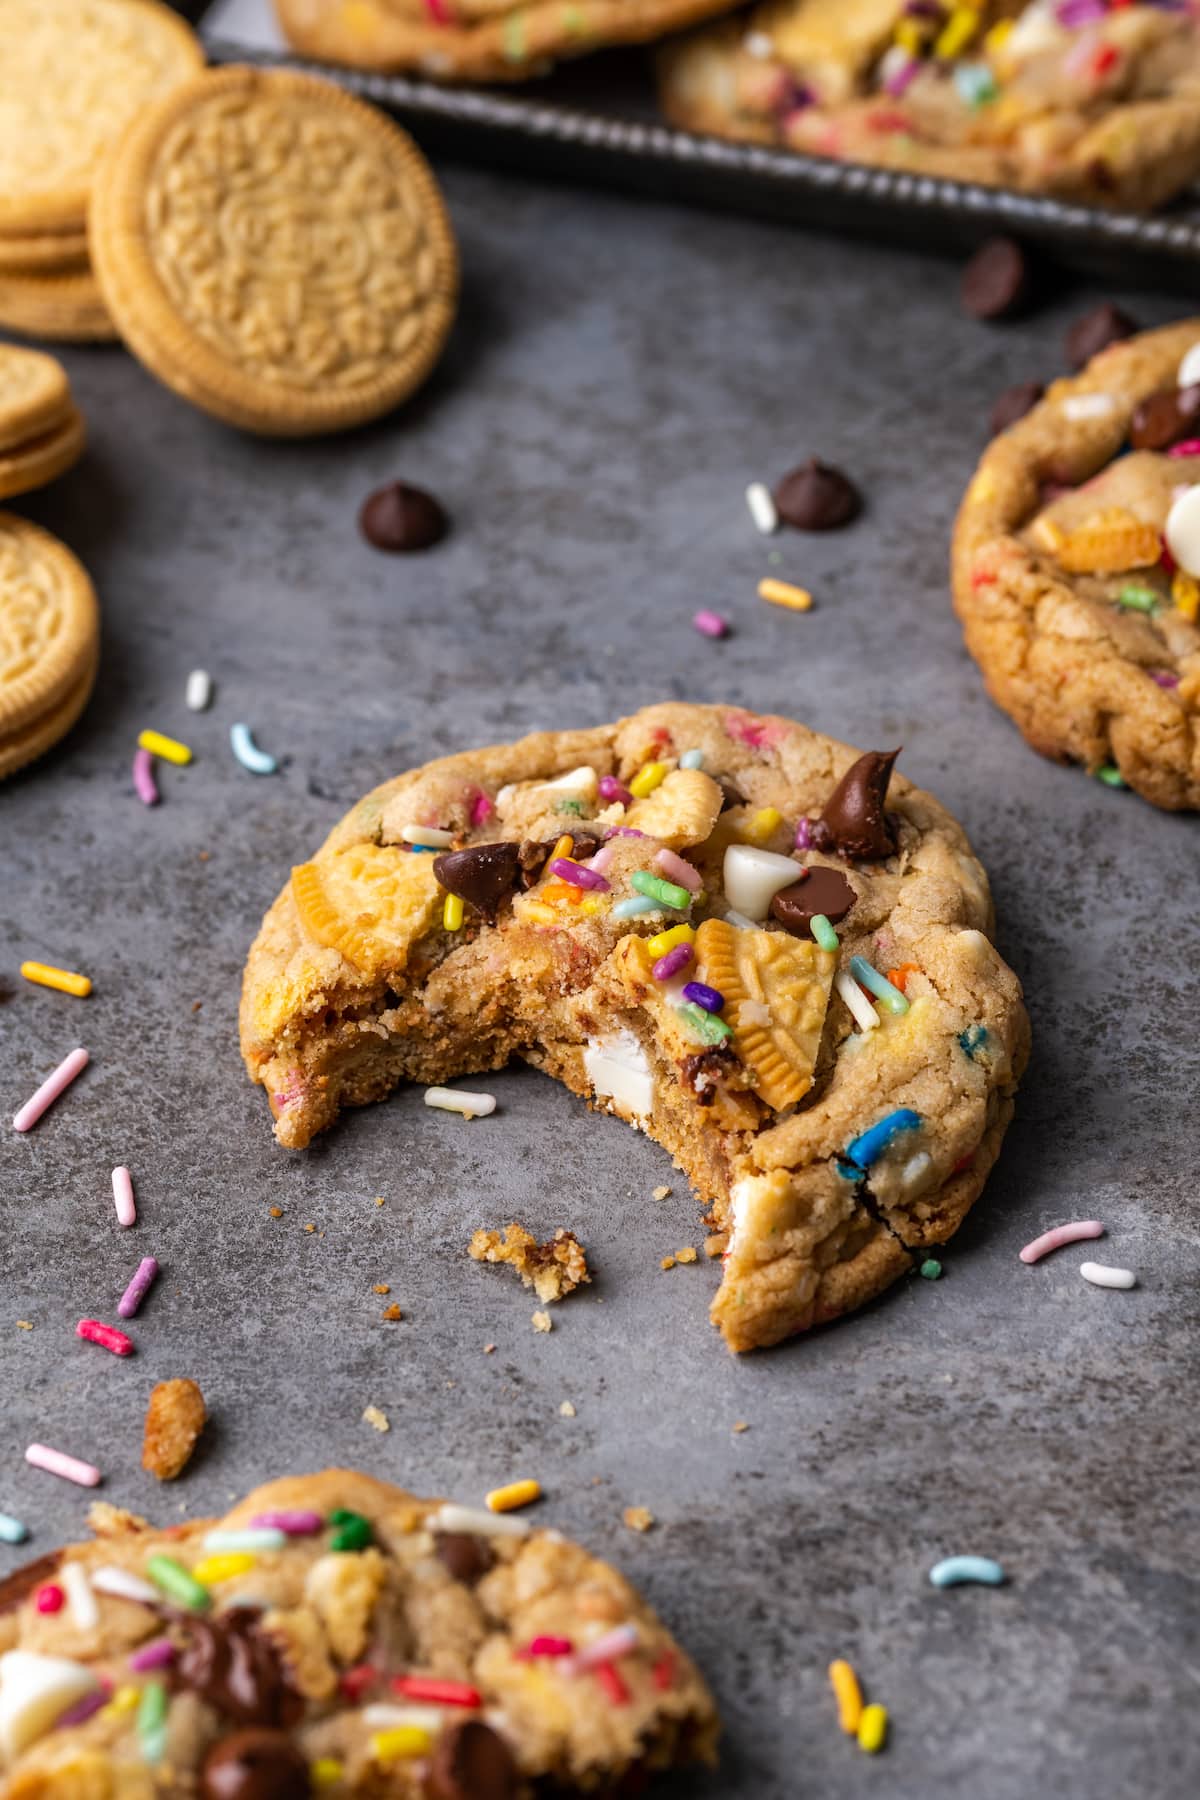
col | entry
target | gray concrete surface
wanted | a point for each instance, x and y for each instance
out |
(618, 374)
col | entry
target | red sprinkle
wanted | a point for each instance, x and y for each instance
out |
(441, 1693)
(107, 1336)
(964, 1162)
(355, 1682)
(547, 1646)
(611, 1680)
(1105, 58)
(663, 1672)
(49, 1599)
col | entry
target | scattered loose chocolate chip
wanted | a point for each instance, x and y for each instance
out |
(1164, 418)
(231, 1664)
(483, 875)
(1014, 403)
(400, 517)
(255, 1765)
(463, 1556)
(854, 821)
(472, 1762)
(1103, 326)
(996, 281)
(816, 497)
(820, 890)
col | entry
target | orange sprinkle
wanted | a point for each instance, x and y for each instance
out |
(899, 977)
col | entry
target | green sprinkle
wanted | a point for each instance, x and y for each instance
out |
(823, 931)
(1111, 776)
(665, 892)
(571, 806)
(353, 1531)
(174, 1580)
(573, 19)
(879, 985)
(514, 38)
(152, 1721)
(707, 1026)
(931, 1269)
(1140, 599)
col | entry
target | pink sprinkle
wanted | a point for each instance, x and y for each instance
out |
(547, 1646)
(82, 1709)
(295, 1524)
(612, 789)
(711, 624)
(107, 1336)
(49, 1599)
(576, 875)
(747, 729)
(481, 809)
(122, 1182)
(603, 858)
(896, 84)
(439, 12)
(138, 1288)
(56, 1462)
(804, 835)
(155, 1655)
(144, 783)
(1189, 447)
(624, 831)
(1061, 1234)
(606, 1649)
(675, 869)
(1165, 678)
(50, 1089)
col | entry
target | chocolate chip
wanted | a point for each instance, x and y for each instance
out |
(854, 820)
(996, 281)
(820, 890)
(1164, 418)
(484, 875)
(816, 497)
(472, 1762)
(255, 1765)
(1088, 336)
(1014, 403)
(233, 1666)
(400, 517)
(464, 1556)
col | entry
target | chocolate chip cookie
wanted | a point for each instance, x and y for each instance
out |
(770, 953)
(1077, 567)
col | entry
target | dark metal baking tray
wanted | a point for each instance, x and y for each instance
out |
(594, 121)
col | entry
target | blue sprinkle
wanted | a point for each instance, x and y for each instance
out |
(972, 1039)
(635, 906)
(692, 759)
(11, 1530)
(966, 1568)
(248, 753)
(870, 1145)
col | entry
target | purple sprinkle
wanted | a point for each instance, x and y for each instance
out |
(138, 1288)
(577, 875)
(1164, 678)
(624, 831)
(678, 957)
(82, 1709)
(804, 835)
(1080, 12)
(155, 1655)
(902, 78)
(703, 995)
(612, 789)
(295, 1524)
(711, 624)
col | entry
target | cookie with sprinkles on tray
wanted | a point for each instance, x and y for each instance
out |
(768, 951)
(334, 1635)
(1077, 565)
(1090, 100)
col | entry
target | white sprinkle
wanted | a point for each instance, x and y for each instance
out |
(122, 1183)
(864, 1013)
(1088, 406)
(757, 43)
(124, 1586)
(1189, 368)
(80, 1598)
(762, 508)
(739, 919)
(474, 1519)
(916, 1169)
(199, 690)
(388, 1718)
(471, 1106)
(1101, 1275)
(429, 835)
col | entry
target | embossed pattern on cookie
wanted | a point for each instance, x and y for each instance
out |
(368, 902)
(681, 811)
(48, 624)
(776, 991)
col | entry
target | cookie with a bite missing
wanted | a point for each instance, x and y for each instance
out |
(1077, 567)
(771, 953)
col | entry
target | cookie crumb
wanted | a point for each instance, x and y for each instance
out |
(379, 1201)
(381, 1287)
(109, 1521)
(375, 1416)
(542, 1322)
(175, 1418)
(489, 1349)
(553, 1270)
(310, 1228)
(24, 1325)
(716, 1245)
(740, 1425)
(668, 1262)
(686, 1255)
(638, 1518)
(196, 1005)
(391, 1312)
(276, 1212)
(567, 1410)
(661, 1193)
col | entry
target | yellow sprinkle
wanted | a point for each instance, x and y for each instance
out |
(594, 903)
(125, 1700)
(540, 914)
(783, 593)
(872, 1729)
(960, 29)
(401, 1741)
(325, 1772)
(1185, 592)
(564, 846)
(517, 1493)
(759, 828)
(170, 749)
(910, 37)
(667, 940)
(46, 976)
(224, 1567)
(998, 36)
(452, 913)
(848, 1695)
(647, 779)
(1047, 534)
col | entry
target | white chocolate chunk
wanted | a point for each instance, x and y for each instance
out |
(473, 1520)
(34, 1692)
(753, 877)
(619, 1070)
(80, 1598)
(583, 782)
(1189, 368)
(1183, 530)
(432, 836)
(1088, 406)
